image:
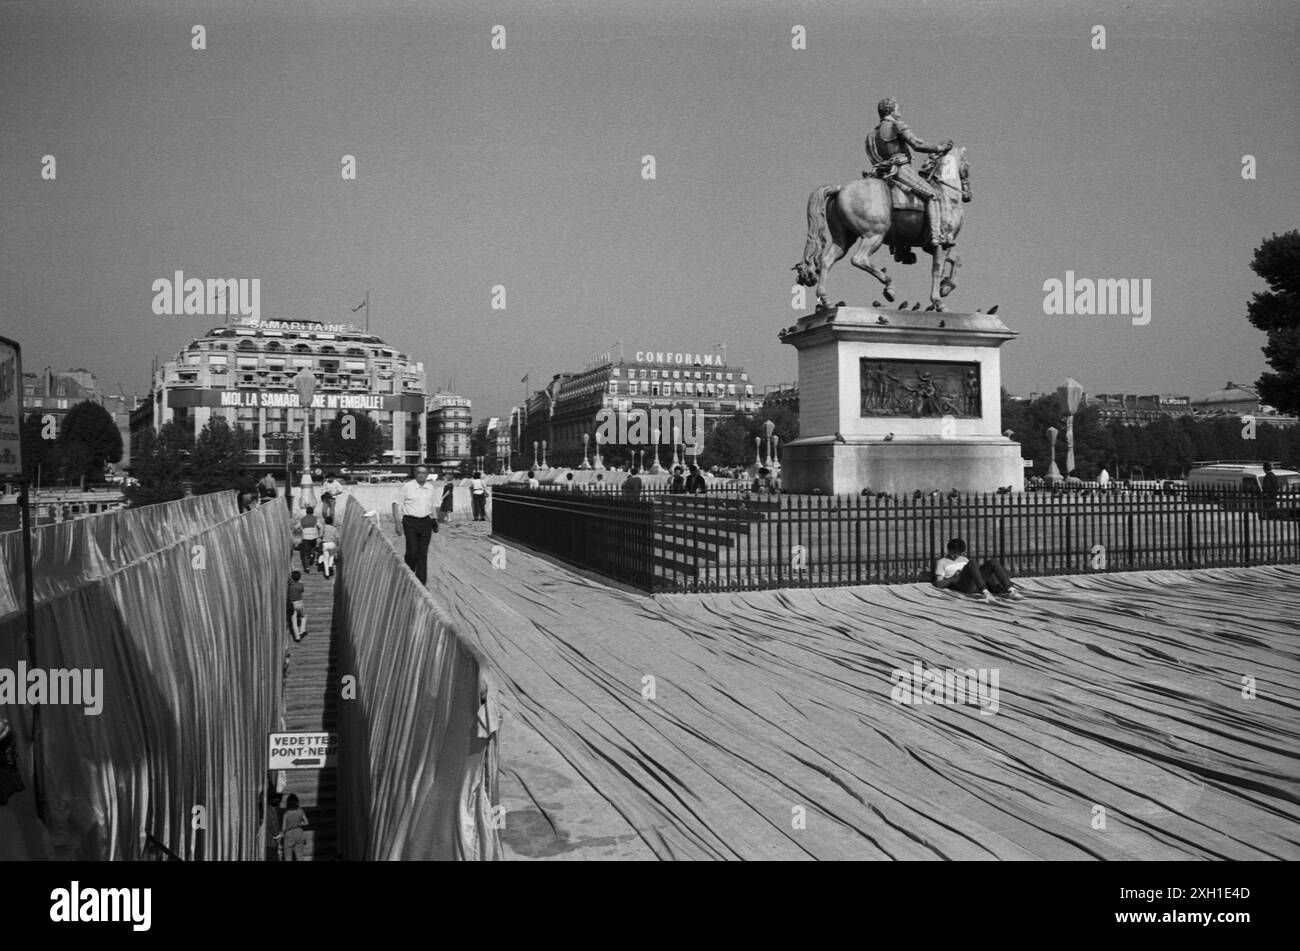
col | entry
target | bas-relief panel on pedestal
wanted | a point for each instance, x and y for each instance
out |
(920, 388)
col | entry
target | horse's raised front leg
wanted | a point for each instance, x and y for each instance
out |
(862, 260)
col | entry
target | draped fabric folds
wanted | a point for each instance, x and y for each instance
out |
(179, 608)
(418, 744)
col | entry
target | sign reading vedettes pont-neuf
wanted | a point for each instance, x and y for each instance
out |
(302, 750)
(11, 408)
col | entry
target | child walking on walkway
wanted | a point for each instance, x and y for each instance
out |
(294, 825)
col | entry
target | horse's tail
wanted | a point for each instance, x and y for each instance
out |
(819, 235)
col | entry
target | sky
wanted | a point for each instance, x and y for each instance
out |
(522, 168)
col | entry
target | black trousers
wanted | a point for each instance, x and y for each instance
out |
(990, 575)
(417, 532)
(479, 503)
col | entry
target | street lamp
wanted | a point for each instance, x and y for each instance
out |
(305, 383)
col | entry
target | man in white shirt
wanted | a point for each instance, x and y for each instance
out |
(331, 492)
(416, 502)
(478, 497)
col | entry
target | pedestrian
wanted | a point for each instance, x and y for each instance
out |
(415, 503)
(695, 483)
(330, 493)
(297, 607)
(958, 572)
(444, 507)
(267, 489)
(478, 497)
(295, 825)
(329, 556)
(274, 834)
(309, 527)
(1270, 486)
(246, 490)
(532, 480)
(632, 485)
(678, 485)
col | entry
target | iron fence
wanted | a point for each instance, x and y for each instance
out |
(739, 540)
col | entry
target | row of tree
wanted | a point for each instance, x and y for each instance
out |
(1162, 449)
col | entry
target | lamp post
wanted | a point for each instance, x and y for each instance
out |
(1053, 474)
(535, 465)
(305, 383)
(1071, 395)
(585, 463)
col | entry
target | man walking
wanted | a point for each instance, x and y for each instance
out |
(416, 504)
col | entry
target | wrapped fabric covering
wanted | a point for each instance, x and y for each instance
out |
(188, 639)
(69, 553)
(418, 744)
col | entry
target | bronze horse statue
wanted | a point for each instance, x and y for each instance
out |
(863, 209)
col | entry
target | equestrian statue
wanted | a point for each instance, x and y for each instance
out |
(891, 204)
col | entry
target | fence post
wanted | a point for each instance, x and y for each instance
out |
(1245, 535)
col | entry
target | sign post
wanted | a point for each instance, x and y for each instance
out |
(11, 464)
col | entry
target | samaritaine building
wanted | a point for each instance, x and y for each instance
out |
(244, 372)
(643, 380)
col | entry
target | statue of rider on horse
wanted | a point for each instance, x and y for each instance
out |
(891, 204)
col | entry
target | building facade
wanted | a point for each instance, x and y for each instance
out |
(52, 393)
(450, 430)
(573, 404)
(244, 372)
(1132, 410)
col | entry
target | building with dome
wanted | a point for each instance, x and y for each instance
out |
(244, 372)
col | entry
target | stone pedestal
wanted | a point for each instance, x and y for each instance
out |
(897, 401)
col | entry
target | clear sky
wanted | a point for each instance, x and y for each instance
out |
(522, 167)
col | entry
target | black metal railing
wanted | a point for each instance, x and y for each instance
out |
(740, 540)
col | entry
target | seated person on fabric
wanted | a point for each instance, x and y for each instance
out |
(959, 573)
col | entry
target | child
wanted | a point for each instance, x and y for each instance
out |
(295, 838)
(297, 610)
(958, 572)
(329, 546)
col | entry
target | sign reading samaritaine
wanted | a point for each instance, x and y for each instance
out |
(269, 399)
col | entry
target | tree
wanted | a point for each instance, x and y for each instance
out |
(89, 438)
(731, 441)
(36, 450)
(728, 443)
(157, 466)
(351, 438)
(1277, 313)
(218, 455)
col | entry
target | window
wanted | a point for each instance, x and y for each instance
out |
(218, 359)
(613, 386)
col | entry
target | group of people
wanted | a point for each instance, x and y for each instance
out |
(286, 832)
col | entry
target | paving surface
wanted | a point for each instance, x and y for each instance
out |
(764, 724)
(311, 705)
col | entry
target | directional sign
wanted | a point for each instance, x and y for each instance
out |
(302, 750)
(11, 407)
